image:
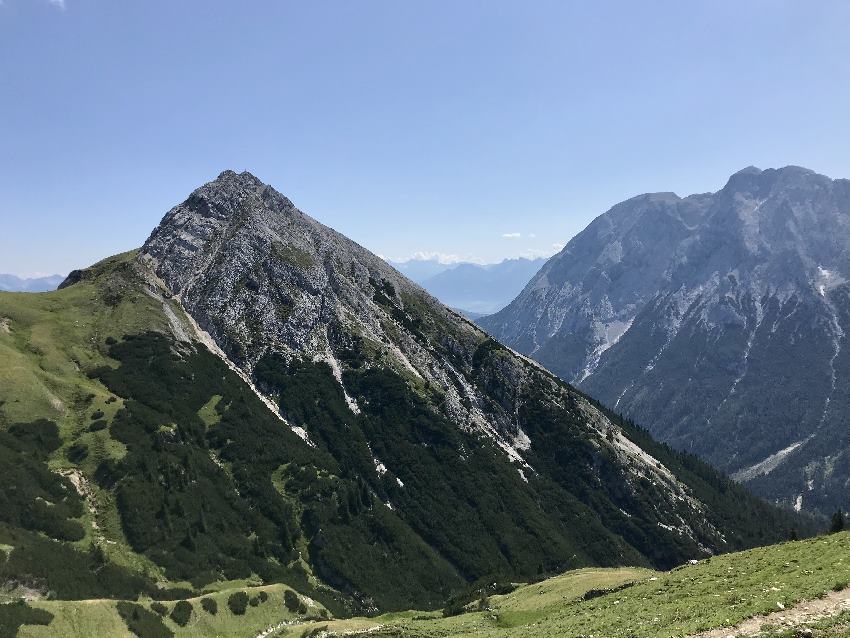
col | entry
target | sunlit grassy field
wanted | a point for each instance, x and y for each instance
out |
(719, 592)
(101, 618)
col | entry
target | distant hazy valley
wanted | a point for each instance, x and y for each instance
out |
(474, 289)
(13, 283)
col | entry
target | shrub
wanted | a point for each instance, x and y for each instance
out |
(98, 425)
(39, 437)
(182, 612)
(77, 452)
(97, 414)
(291, 600)
(159, 608)
(454, 608)
(238, 602)
(254, 601)
(263, 596)
(71, 574)
(13, 615)
(210, 606)
(142, 622)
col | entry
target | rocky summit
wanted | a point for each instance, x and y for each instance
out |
(719, 321)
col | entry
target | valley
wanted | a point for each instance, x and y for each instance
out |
(476, 290)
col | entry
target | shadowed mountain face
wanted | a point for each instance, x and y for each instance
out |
(719, 321)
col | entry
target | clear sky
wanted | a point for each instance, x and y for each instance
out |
(481, 129)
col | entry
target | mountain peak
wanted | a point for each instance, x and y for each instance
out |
(747, 179)
(752, 177)
(748, 170)
(232, 187)
(230, 200)
(230, 175)
(282, 295)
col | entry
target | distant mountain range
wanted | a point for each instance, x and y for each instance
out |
(420, 270)
(13, 283)
(719, 321)
(474, 289)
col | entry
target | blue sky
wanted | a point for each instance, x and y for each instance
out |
(480, 129)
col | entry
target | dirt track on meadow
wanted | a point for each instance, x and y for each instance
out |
(808, 611)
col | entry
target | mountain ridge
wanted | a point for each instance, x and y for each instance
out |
(507, 437)
(482, 289)
(252, 395)
(637, 297)
(13, 283)
(475, 289)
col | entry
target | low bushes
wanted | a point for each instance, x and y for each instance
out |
(293, 602)
(13, 615)
(143, 623)
(182, 612)
(210, 606)
(238, 602)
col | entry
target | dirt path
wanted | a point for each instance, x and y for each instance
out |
(808, 611)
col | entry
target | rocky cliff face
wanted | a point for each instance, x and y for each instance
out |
(262, 277)
(717, 320)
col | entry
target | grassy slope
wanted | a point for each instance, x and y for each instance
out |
(834, 627)
(50, 344)
(47, 343)
(718, 592)
(534, 602)
(100, 617)
(52, 336)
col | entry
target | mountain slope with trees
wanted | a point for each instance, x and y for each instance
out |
(254, 396)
